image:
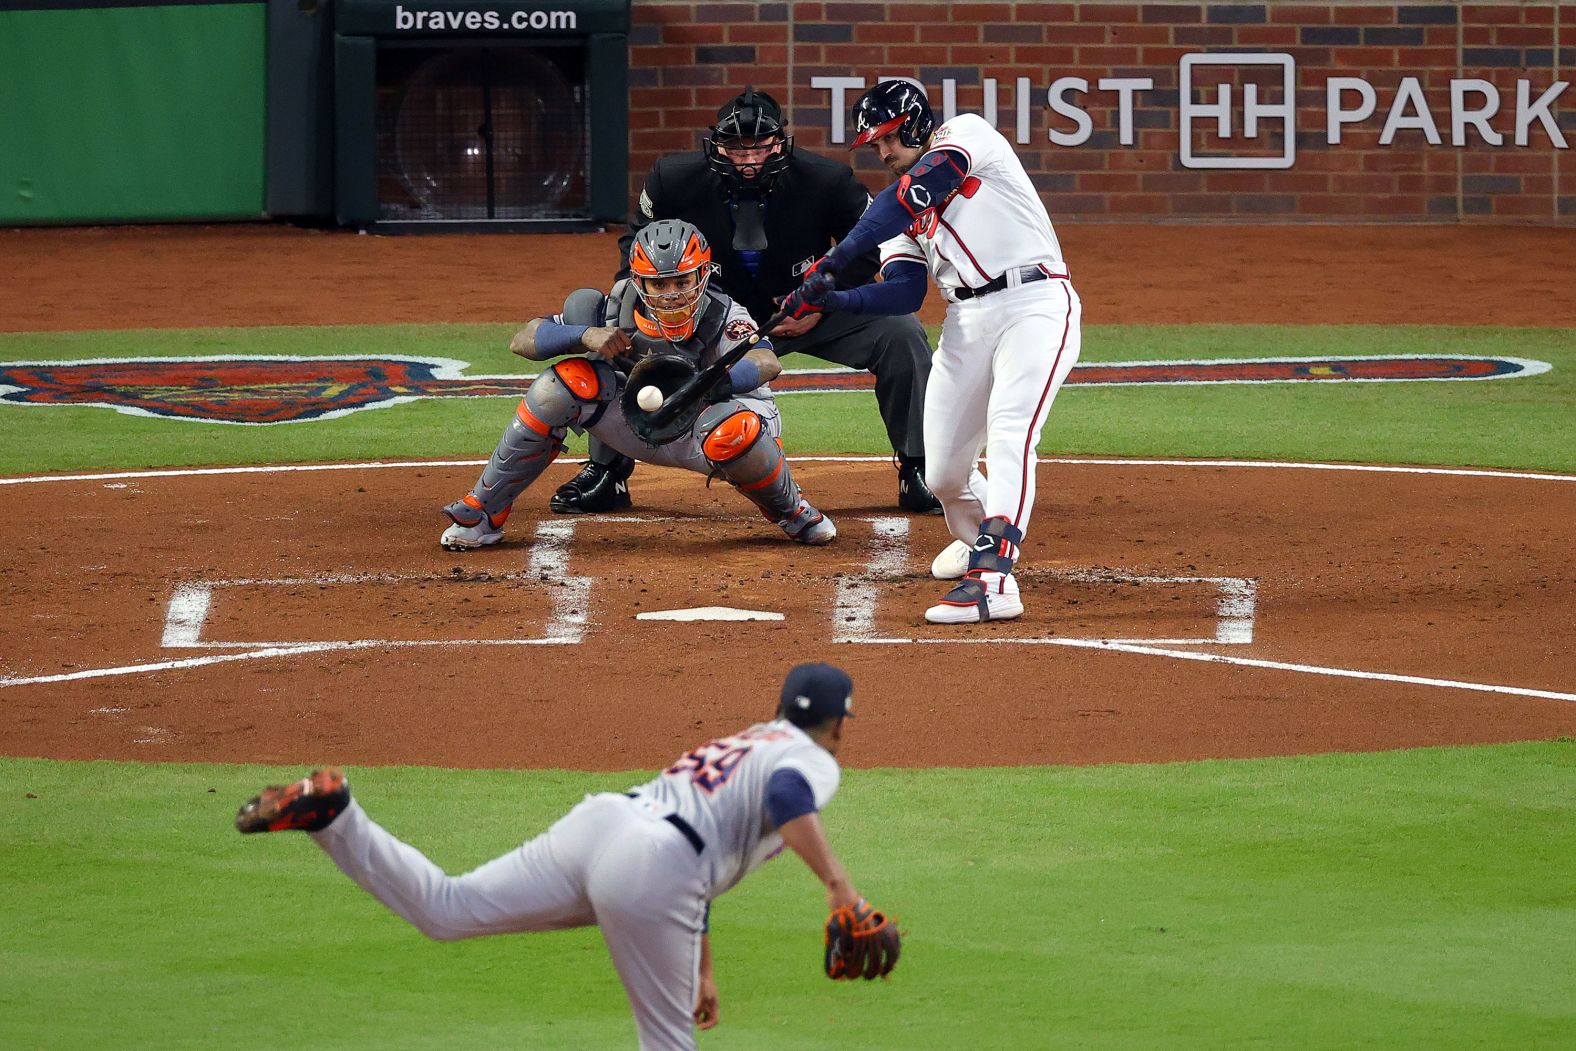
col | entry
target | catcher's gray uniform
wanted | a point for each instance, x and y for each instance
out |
(641, 866)
(736, 438)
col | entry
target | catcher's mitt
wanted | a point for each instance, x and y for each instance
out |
(669, 373)
(861, 943)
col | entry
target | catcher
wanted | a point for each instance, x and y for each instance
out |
(661, 328)
(642, 865)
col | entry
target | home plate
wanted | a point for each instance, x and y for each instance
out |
(709, 613)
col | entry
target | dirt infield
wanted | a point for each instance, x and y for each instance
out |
(195, 276)
(529, 654)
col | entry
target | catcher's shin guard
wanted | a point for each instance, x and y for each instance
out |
(736, 445)
(572, 393)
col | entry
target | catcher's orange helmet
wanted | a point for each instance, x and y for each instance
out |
(671, 264)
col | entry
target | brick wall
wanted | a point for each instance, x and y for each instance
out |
(688, 57)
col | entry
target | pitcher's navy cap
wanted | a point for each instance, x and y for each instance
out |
(814, 693)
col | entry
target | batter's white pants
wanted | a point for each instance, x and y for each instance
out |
(998, 366)
(611, 861)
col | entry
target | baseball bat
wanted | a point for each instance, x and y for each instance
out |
(708, 377)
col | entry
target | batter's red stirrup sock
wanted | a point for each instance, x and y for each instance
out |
(308, 805)
(996, 548)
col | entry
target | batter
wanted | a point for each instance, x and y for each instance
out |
(964, 210)
(642, 866)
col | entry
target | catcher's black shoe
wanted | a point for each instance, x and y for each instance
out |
(308, 805)
(913, 495)
(595, 490)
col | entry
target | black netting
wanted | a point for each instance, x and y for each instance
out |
(472, 133)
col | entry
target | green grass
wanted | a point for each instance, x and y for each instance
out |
(1404, 899)
(1527, 423)
(1407, 899)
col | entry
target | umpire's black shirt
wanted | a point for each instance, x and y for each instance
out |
(813, 204)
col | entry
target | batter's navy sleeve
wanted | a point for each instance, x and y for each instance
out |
(788, 796)
(901, 292)
(928, 182)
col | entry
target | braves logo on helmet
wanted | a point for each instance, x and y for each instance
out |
(893, 106)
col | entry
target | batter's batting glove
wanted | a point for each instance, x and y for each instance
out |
(810, 297)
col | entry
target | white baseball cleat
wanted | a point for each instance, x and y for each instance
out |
(952, 563)
(809, 526)
(989, 596)
(472, 526)
(469, 538)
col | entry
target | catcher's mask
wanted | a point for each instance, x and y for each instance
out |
(671, 264)
(893, 105)
(748, 146)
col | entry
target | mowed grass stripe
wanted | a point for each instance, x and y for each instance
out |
(1519, 423)
(1404, 899)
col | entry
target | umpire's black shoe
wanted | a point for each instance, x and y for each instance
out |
(913, 495)
(595, 490)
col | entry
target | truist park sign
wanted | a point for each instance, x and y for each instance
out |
(1250, 115)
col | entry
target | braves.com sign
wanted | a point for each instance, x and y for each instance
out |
(1240, 113)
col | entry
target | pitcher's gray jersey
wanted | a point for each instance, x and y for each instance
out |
(720, 790)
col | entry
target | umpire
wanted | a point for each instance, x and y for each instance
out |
(769, 213)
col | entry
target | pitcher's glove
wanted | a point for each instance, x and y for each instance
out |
(861, 943)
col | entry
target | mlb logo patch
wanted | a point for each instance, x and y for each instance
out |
(803, 266)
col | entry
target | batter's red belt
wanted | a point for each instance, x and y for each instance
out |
(1026, 274)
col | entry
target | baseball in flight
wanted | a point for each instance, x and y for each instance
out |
(649, 398)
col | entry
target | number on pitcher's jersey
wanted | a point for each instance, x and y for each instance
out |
(719, 788)
(993, 222)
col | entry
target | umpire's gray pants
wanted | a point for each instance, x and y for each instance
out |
(612, 861)
(892, 348)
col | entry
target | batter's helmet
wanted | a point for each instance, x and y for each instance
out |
(753, 119)
(893, 105)
(665, 249)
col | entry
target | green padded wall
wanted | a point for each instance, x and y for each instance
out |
(132, 113)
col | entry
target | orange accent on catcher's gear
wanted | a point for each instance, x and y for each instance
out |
(525, 416)
(732, 437)
(647, 326)
(579, 375)
(768, 480)
(498, 519)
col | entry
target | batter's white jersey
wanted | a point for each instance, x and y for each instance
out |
(993, 223)
(720, 790)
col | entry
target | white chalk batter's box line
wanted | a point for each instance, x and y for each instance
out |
(889, 558)
(857, 597)
(569, 598)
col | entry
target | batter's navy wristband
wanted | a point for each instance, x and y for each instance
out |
(553, 339)
(745, 376)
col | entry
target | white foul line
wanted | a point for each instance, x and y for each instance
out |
(1315, 669)
(381, 465)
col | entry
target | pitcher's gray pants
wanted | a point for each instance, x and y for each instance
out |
(612, 861)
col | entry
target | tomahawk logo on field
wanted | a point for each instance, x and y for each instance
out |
(269, 390)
